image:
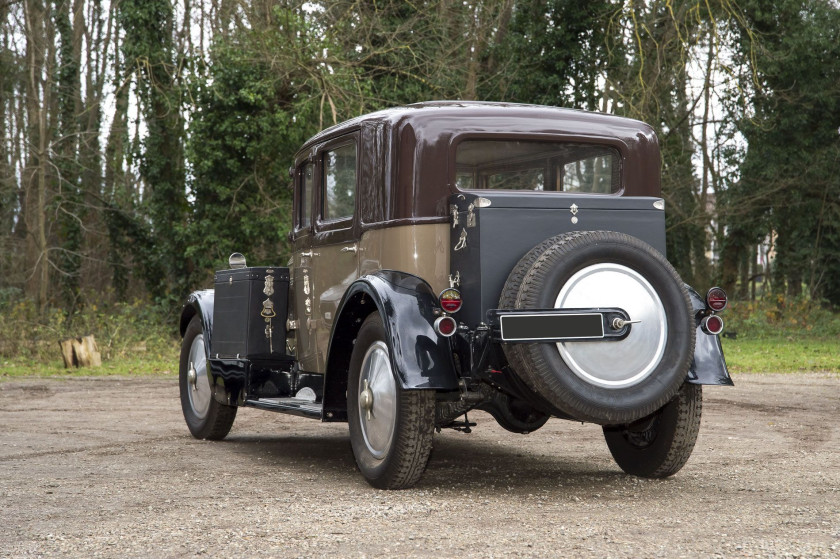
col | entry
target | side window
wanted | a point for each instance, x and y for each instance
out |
(307, 180)
(339, 200)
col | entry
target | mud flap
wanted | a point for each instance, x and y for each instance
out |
(708, 365)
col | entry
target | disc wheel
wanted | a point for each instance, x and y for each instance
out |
(206, 418)
(608, 381)
(659, 445)
(390, 428)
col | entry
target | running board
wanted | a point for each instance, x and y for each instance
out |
(293, 406)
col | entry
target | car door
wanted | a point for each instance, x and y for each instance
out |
(302, 284)
(334, 261)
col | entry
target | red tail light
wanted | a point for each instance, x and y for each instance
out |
(712, 325)
(716, 299)
(450, 300)
(445, 326)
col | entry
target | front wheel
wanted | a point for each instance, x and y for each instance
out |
(206, 418)
(390, 428)
(659, 445)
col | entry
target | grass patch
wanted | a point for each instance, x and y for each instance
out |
(781, 335)
(137, 366)
(782, 355)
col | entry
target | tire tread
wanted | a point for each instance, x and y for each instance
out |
(670, 451)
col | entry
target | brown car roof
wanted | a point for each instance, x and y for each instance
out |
(416, 182)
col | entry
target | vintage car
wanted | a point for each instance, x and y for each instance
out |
(451, 256)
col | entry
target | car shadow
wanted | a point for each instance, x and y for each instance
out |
(455, 462)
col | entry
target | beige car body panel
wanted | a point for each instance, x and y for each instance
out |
(422, 250)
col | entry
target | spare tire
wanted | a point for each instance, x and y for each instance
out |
(605, 381)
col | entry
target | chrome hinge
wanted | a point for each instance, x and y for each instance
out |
(471, 215)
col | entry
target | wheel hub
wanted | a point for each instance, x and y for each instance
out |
(377, 400)
(366, 400)
(192, 376)
(198, 383)
(615, 364)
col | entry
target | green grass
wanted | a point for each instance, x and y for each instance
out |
(161, 364)
(782, 355)
(781, 335)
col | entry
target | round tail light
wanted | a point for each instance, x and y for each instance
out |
(445, 326)
(712, 325)
(716, 299)
(450, 300)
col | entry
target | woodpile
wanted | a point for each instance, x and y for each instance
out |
(80, 352)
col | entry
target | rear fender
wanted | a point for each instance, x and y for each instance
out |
(708, 365)
(227, 377)
(199, 303)
(421, 359)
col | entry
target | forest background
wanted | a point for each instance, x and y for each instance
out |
(143, 141)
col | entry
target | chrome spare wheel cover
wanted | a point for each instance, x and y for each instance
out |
(629, 361)
(377, 400)
(198, 383)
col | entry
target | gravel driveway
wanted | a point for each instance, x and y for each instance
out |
(106, 467)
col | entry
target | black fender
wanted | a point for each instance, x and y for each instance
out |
(421, 359)
(228, 376)
(708, 365)
(199, 303)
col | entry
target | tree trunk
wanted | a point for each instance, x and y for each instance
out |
(37, 101)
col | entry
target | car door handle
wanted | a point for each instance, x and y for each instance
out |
(353, 248)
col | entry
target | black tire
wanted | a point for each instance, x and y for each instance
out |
(537, 281)
(206, 418)
(395, 459)
(659, 446)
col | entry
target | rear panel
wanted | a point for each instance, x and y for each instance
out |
(486, 245)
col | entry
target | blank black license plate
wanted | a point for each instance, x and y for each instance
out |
(551, 327)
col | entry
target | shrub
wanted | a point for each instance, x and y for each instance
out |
(778, 316)
(121, 330)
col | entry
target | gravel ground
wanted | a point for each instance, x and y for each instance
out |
(106, 467)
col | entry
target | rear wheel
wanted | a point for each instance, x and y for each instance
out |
(659, 445)
(205, 417)
(390, 428)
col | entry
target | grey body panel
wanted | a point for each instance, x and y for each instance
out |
(512, 225)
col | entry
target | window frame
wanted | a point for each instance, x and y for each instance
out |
(300, 182)
(344, 222)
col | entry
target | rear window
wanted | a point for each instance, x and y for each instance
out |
(536, 165)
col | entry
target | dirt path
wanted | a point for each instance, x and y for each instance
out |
(106, 467)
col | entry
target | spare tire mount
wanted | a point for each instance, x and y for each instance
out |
(603, 381)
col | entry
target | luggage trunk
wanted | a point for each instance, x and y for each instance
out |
(249, 315)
